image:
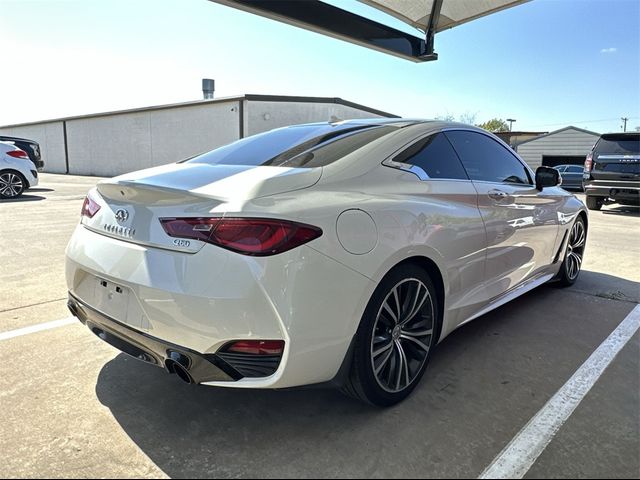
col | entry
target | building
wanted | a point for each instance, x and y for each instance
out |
(515, 138)
(112, 143)
(569, 145)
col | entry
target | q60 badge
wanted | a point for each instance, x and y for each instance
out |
(181, 243)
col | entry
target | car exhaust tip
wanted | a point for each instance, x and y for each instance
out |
(72, 308)
(183, 375)
(181, 372)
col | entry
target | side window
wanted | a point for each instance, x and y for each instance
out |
(486, 160)
(435, 156)
(575, 169)
(560, 169)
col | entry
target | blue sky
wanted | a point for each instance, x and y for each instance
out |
(547, 63)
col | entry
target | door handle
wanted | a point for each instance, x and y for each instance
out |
(498, 195)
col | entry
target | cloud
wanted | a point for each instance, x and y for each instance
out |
(609, 50)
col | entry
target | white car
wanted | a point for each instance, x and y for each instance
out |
(331, 253)
(17, 171)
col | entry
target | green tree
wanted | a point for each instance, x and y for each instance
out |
(495, 125)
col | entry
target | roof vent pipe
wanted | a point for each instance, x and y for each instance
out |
(208, 87)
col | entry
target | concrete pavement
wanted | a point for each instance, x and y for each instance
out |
(74, 407)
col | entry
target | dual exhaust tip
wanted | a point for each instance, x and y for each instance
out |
(178, 364)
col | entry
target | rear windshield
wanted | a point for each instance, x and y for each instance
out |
(306, 146)
(618, 144)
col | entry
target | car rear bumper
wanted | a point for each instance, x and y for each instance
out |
(32, 177)
(628, 192)
(200, 368)
(203, 301)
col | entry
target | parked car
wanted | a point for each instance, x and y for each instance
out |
(612, 171)
(30, 146)
(331, 253)
(17, 172)
(571, 176)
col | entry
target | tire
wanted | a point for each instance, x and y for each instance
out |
(594, 203)
(572, 264)
(390, 357)
(12, 184)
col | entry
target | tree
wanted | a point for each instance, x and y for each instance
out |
(467, 117)
(446, 118)
(495, 125)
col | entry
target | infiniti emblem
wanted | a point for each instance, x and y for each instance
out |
(122, 215)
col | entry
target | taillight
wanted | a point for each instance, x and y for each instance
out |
(248, 236)
(588, 163)
(18, 154)
(90, 207)
(257, 347)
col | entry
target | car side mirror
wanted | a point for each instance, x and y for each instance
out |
(547, 177)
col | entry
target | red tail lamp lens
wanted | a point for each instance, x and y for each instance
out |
(18, 154)
(257, 347)
(248, 236)
(90, 207)
(588, 164)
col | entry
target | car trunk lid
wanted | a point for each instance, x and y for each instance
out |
(133, 204)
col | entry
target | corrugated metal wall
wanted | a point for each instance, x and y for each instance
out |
(570, 142)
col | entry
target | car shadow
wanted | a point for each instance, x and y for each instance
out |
(198, 432)
(37, 189)
(23, 198)
(625, 210)
(607, 286)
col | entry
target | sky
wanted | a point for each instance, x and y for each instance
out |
(548, 63)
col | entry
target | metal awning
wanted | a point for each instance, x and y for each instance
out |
(452, 12)
(428, 16)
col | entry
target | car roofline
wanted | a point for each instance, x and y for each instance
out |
(399, 122)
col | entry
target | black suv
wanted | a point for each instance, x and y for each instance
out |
(31, 147)
(612, 171)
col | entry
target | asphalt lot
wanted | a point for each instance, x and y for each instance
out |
(74, 407)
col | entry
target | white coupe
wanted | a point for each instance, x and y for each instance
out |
(329, 253)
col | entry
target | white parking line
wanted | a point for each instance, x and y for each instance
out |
(36, 328)
(525, 448)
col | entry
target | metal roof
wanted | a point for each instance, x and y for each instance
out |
(248, 97)
(595, 134)
(428, 16)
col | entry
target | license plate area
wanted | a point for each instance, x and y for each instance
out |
(111, 299)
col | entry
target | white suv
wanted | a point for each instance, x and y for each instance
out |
(17, 172)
